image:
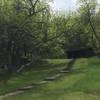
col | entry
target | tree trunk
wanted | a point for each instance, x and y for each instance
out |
(70, 64)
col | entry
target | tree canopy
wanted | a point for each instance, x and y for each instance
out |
(29, 29)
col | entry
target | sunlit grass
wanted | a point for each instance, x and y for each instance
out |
(82, 83)
(32, 76)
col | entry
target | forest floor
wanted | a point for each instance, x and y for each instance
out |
(48, 83)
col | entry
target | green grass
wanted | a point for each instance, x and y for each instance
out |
(32, 76)
(82, 83)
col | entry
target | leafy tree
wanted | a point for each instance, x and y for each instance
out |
(21, 30)
(88, 12)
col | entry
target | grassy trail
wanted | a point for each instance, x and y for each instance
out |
(82, 83)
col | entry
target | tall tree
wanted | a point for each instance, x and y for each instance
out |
(88, 12)
(20, 29)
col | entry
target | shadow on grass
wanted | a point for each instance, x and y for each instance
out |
(45, 65)
(79, 71)
(4, 77)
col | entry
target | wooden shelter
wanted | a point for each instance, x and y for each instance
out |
(81, 53)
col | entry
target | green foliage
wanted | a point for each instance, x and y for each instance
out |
(22, 30)
(29, 28)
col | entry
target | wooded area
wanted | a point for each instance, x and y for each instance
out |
(30, 32)
(37, 42)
